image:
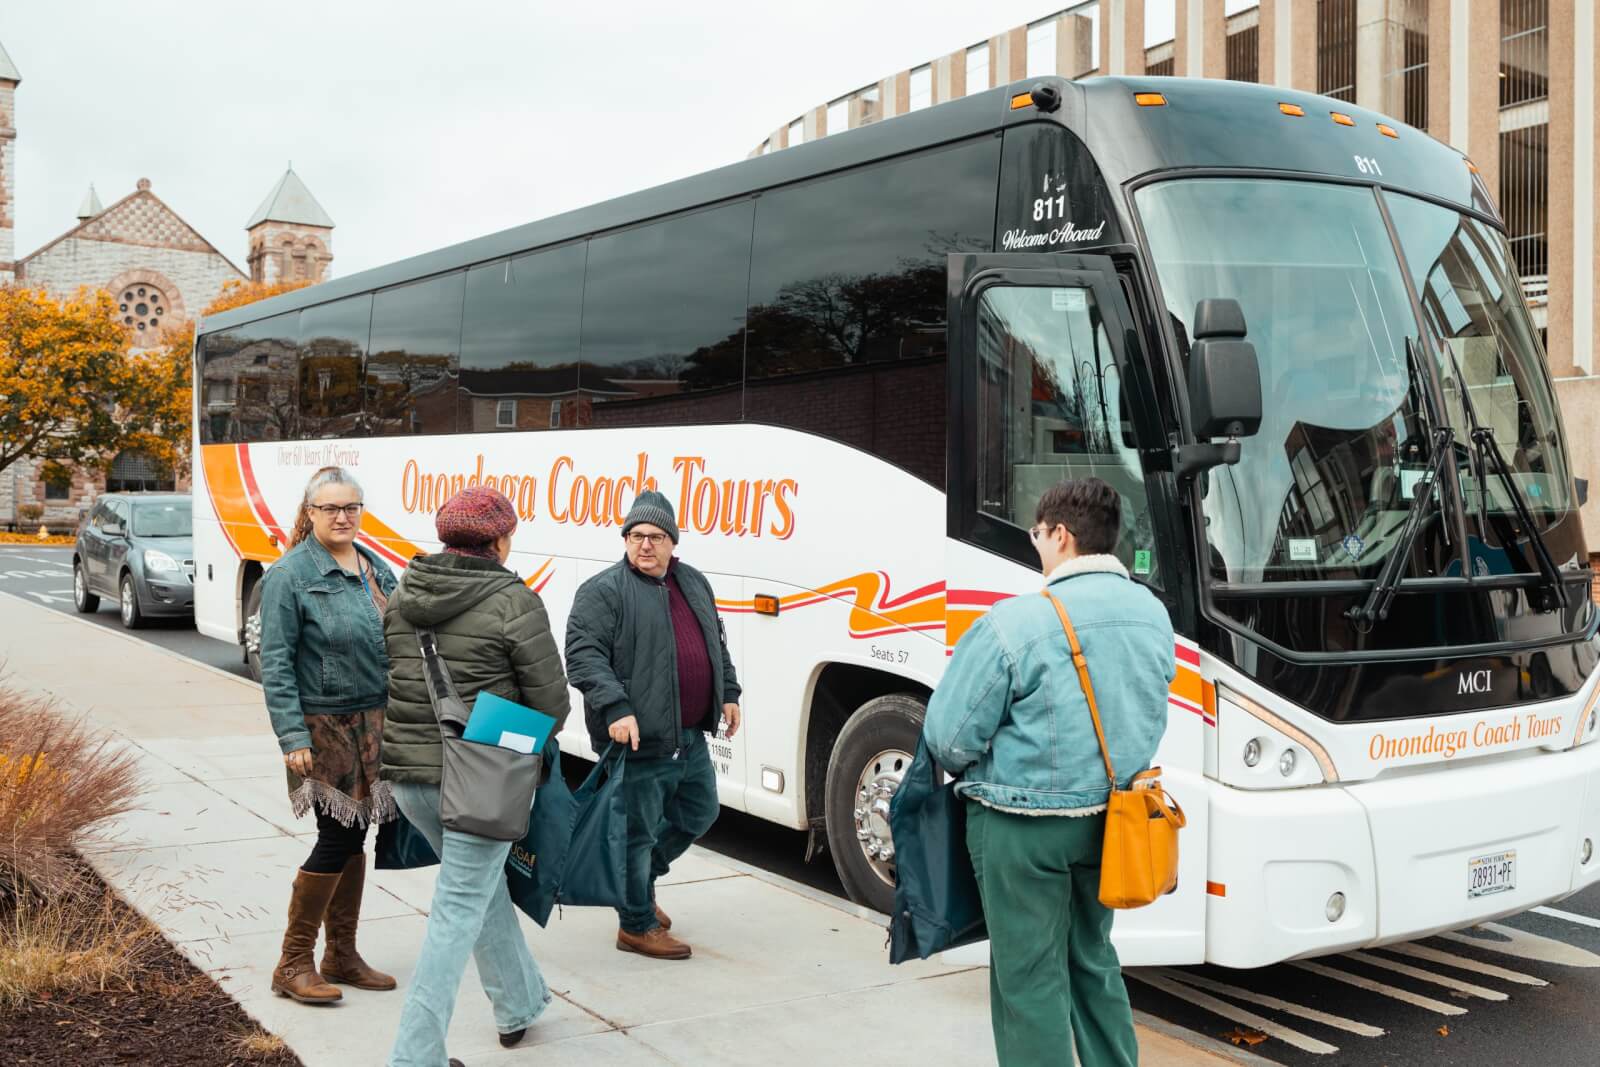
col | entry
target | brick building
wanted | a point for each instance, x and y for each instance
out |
(160, 271)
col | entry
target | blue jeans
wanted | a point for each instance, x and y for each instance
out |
(471, 912)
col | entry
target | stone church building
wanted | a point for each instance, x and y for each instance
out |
(160, 271)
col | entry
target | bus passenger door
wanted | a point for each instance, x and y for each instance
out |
(1049, 381)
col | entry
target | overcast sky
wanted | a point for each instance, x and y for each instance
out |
(421, 124)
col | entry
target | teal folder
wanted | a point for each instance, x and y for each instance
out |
(498, 721)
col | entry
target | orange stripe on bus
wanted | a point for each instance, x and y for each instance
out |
(231, 500)
(1216, 889)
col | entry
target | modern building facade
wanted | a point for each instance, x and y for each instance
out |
(1511, 83)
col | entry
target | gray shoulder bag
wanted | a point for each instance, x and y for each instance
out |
(484, 790)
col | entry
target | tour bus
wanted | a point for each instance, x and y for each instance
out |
(1288, 330)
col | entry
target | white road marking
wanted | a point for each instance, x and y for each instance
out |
(48, 598)
(1338, 1022)
(1361, 982)
(1481, 992)
(1581, 920)
(1450, 959)
(1304, 1042)
(1528, 946)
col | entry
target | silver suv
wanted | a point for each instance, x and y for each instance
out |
(138, 548)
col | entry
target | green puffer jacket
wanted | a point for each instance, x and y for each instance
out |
(493, 634)
(623, 656)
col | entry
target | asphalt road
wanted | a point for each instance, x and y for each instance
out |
(1524, 991)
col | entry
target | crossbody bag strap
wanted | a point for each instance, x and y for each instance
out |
(1082, 664)
(441, 687)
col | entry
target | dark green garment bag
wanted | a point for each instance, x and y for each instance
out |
(936, 902)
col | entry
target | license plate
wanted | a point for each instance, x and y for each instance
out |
(1495, 873)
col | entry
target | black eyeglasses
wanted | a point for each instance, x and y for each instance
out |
(329, 511)
(637, 538)
(1038, 530)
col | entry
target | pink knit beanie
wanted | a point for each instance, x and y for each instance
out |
(470, 521)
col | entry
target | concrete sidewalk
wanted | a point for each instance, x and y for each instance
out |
(781, 974)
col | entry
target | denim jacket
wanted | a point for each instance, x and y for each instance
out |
(1010, 716)
(322, 650)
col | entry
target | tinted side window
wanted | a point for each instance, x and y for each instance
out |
(847, 300)
(333, 346)
(663, 320)
(247, 382)
(519, 342)
(415, 354)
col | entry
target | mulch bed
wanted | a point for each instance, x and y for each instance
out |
(173, 1015)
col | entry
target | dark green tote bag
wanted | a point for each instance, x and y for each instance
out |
(936, 902)
(575, 850)
(401, 846)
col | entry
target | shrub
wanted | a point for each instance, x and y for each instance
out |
(69, 944)
(58, 782)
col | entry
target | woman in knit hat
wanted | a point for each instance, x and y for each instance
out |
(494, 636)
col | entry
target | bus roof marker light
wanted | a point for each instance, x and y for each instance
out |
(1342, 119)
(1388, 131)
(1149, 99)
(1021, 100)
(1294, 110)
(1471, 166)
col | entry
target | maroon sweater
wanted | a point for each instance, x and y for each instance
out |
(694, 662)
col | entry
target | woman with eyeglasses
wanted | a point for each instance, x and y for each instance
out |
(324, 669)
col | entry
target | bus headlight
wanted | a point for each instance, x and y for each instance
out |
(1259, 749)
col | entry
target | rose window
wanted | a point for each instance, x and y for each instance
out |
(142, 308)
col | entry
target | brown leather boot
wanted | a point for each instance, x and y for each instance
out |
(657, 944)
(663, 920)
(341, 962)
(296, 974)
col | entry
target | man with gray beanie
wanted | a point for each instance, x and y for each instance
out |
(647, 651)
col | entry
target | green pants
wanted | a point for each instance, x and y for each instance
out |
(672, 801)
(1053, 975)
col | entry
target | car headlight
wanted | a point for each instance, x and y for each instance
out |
(156, 560)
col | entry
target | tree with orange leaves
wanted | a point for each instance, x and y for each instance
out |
(70, 391)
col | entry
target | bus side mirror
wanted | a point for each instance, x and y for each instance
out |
(1224, 388)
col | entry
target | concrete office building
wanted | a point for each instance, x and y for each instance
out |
(1511, 83)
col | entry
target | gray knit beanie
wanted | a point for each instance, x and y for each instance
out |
(654, 508)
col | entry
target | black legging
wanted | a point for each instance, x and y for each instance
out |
(335, 845)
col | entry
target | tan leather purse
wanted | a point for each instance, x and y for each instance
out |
(1139, 861)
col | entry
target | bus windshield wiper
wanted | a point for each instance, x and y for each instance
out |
(1381, 598)
(1484, 442)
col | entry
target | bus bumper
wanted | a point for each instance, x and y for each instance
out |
(1398, 850)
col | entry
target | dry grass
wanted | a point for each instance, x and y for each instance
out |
(57, 781)
(260, 1043)
(70, 944)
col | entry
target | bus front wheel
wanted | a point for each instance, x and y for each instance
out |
(869, 759)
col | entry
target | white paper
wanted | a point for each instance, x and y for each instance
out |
(1303, 549)
(516, 742)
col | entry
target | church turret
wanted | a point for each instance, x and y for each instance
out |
(91, 205)
(291, 236)
(10, 78)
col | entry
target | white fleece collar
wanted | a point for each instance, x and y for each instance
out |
(1095, 564)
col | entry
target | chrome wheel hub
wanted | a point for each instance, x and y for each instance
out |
(880, 779)
(252, 634)
(127, 601)
(77, 586)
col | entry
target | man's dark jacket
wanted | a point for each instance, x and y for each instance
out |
(493, 635)
(623, 658)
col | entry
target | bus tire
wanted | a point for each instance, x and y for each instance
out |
(870, 756)
(252, 631)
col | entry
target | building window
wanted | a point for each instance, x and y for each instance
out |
(921, 88)
(142, 308)
(1042, 49)
(58, 486)
(1161, 68)
(1524, 51)
(505, 415)
(1336, 49)
(1244, 54)
(867, 100)
(797, 132)
(1405, 88)
(838, 116)
(978, 68)
(555, 414)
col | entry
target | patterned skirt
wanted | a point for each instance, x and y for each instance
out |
(344, 770)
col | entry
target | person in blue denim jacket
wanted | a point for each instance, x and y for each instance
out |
(1010, 719)
(324, 670)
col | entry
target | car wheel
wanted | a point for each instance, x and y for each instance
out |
(132, 616)
(252, 632)
(870, 757)
(86, 602)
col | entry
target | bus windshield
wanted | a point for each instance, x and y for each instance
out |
(1322, 491)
